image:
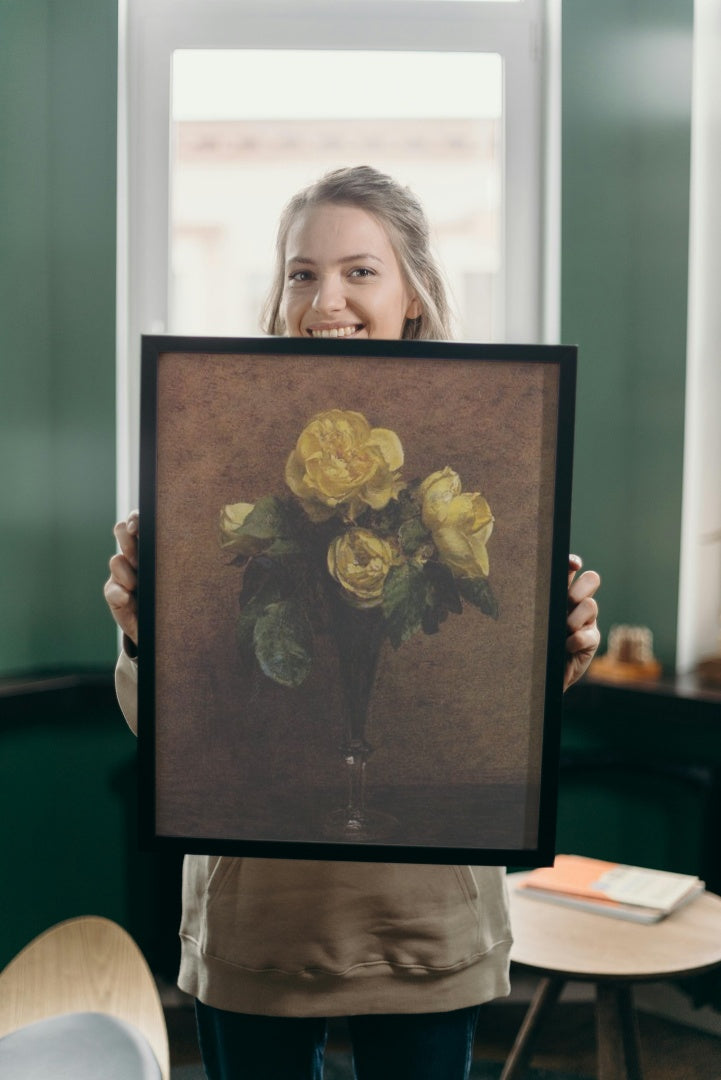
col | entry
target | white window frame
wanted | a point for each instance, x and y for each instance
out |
(526, 34)
(699, 597)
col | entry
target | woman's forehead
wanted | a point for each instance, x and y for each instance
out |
(334, 231)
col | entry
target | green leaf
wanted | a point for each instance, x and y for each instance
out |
(283, 546)
(443, 587)
(263, 580)
(388, 521)
(408, 494)
(433, 616)
(478, 591)
(263, 584)
(441, 597)
(270, 517)
(385, 522)
(413, 535)
(245, 625)
(283, 641)
(404, 601)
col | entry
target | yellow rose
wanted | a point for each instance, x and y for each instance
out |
(232, 517)
(460, 523)
(462, 539)
(436, 493)
(359, 561)
(341, 462)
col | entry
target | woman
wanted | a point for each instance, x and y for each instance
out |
(271, 948)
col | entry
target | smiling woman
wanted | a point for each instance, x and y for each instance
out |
(337, 293)
(353, 259)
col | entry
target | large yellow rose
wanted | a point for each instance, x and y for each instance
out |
(232, 517)
(359, 560)
(341, 463)
(460, 523)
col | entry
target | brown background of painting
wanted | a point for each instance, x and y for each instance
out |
(462, 707)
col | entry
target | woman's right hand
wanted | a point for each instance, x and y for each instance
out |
(121, 587)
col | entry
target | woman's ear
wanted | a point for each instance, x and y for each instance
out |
(415, 309)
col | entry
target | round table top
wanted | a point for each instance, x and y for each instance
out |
(559, 940)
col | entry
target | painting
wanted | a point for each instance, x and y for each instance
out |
(352, 597)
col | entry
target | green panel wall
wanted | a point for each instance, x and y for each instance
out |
(26, 484)
(58, 74)
(68, 803)
(64, 787)
(626, 145)
(66, 760)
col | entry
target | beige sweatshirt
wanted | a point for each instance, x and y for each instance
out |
(300, 938)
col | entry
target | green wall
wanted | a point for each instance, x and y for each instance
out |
(626, 145)
(58, 72)
(66, 758)
(68, 804)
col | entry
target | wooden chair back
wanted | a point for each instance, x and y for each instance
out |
(87, 964)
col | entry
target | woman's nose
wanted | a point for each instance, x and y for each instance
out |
(329, 296)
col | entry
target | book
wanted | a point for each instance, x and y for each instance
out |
(608, 888)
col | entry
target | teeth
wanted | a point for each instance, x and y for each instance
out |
(336, 332)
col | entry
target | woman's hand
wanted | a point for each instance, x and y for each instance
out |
(121, 587)
(583, 636)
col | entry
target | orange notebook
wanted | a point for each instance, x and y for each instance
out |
(631, 892)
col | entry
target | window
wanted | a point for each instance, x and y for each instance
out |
(236, 161)
(227, 105)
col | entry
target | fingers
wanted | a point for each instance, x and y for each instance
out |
(584, 586)
(583, 636)
(583, 613)
(121, 587)
(120, 600)
(126, 534)
(584, 641)
(575, 563)
(123, 572)
(123, 607)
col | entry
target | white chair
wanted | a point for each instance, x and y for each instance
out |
(79, 1002)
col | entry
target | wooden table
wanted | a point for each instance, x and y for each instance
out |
(563, 944)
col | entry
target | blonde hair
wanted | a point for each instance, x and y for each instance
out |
(403, 217)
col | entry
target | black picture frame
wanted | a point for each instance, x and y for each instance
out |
(464, 712)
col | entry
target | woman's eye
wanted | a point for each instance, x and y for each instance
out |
(300, 276)
(362, 272)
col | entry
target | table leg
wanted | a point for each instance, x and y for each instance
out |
(617, 1033)
(545, 997)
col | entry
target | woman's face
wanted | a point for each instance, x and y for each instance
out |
(342, 277)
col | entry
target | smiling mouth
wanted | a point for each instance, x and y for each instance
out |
(335, 331)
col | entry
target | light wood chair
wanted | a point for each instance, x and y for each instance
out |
(563, 944)
(84, 965)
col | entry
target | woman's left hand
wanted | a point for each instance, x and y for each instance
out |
(583, 636)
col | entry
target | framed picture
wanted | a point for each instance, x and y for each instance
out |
(352, 595)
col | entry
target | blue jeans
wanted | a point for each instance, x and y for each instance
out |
(416, 1046)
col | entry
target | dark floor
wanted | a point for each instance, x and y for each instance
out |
(567, 1042)
(669, 1051)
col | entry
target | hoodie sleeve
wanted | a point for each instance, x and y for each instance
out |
(126, 688)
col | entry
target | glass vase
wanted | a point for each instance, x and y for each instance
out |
(358, 636)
